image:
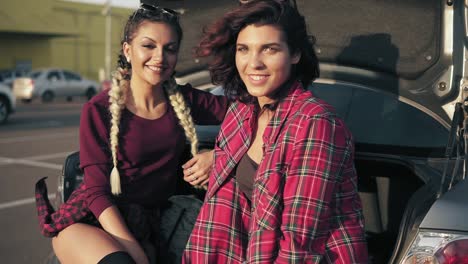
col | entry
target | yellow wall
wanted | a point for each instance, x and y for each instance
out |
(55, 33)
(16, 48)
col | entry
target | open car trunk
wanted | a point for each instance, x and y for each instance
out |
(389, 70)
(385, 188)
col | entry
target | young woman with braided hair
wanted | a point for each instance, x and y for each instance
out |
(132, 139)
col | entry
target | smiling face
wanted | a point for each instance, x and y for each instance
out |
(263, 60)
(153, 53)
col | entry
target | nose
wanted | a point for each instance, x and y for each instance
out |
(255, 60)
(158, 55)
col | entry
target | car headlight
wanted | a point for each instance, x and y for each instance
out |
(438, 248)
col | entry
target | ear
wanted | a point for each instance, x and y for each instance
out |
(126, 50)
(296, 57)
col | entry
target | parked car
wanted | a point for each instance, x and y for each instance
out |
(405, 103)
(199, 79)
(8, 76)
(7, 103)
(395, 71)
(48, 84)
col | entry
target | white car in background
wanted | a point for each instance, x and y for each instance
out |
(7, 103)
(8, 76)
(49, 84)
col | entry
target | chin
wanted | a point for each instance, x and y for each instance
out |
(155, 82)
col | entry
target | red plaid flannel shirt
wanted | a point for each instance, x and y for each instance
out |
(305, 206)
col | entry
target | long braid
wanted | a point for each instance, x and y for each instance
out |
(121, 84)
(182, 111)
(117, 97)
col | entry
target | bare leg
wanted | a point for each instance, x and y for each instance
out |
(82, 243)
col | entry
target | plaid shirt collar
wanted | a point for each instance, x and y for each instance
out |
(245, 117)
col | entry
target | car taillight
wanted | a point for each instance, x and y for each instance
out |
(31, 82)
(455, 252)
(438, 248)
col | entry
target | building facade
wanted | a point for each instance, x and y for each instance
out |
(55, 33)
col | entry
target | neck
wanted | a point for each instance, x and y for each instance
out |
(262, 101)
(280, 94)
(145, 96)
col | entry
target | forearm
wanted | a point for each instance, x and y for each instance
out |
(113, 223)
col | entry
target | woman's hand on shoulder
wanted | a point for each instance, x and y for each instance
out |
(197, 170)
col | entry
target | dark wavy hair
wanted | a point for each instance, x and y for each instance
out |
(133, 23)
(219, 43)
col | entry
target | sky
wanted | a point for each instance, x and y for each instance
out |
(120, 3)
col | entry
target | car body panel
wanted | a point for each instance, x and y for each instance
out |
(394, 73)
(8, 76)
(450, 211)
(7, 110)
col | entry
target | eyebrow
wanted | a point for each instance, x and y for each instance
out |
(170, 43)
(263, 45)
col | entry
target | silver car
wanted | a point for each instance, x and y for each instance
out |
(48, 84)
(396, 72)
(7, 103)
(8, 76)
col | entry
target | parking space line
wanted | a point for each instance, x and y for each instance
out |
(6, 161)
(49, 156)
(35, 138)
(22, 202)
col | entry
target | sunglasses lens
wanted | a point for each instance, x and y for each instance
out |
(170, 11)
(145, 7)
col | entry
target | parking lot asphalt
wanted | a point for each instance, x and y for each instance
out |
(33, 144)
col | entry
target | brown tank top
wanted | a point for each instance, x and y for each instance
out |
(246, 170)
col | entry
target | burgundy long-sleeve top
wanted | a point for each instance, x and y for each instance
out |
(149, 150)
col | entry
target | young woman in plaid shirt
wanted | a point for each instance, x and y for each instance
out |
(283, 188)
(132, 138)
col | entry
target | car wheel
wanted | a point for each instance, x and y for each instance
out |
(3, 110)
(47, 97)
(26, 101)
(90, 93)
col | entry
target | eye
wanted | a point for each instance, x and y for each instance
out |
(241, 49)
(172, 49)
(270, 50)
(149, 46)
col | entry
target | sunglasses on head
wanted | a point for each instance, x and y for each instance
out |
(151, 8)
(292, 3)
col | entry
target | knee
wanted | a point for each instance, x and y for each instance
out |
(65, 235)
(81, 243)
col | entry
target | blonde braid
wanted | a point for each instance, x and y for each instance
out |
(182, 111)
(117, 97)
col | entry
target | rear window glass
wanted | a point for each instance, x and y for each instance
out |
(70, 76)
(34, 75)
(377, 118)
